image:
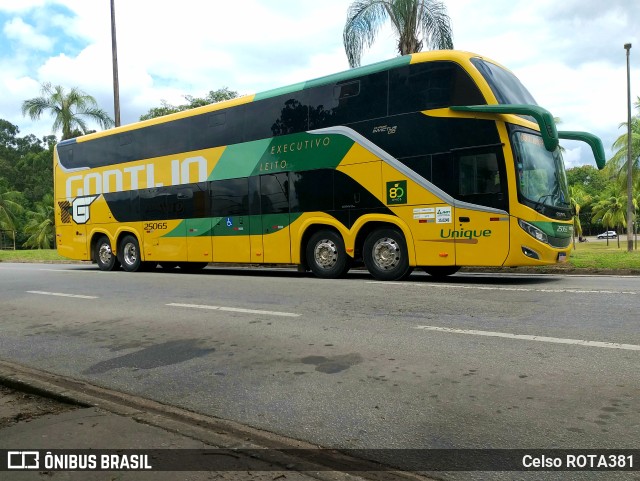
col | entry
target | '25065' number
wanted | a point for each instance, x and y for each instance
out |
(155, 226)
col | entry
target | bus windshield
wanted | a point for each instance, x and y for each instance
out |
(541, 175)
(504, 85)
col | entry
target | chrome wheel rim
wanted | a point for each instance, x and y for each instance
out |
(105, 254)
(386, 253)
(130, 254)
(326, 254)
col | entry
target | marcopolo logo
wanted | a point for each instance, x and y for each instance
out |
(397, 192)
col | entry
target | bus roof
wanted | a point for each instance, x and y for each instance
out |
(452, 55)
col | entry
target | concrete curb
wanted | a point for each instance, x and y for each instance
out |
(207, 429)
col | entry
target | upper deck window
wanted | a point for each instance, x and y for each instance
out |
(504, 85)
(431, 85)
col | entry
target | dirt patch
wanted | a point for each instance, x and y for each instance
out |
(17, 406)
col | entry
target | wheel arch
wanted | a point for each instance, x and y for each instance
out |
(370, 225)
(95, 235)
(310, 227)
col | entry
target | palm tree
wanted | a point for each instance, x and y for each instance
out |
(416, 23)
(611, 211)
(40, 225)
(9, 208)
(578, 197)
(68, 109)
(619, 159)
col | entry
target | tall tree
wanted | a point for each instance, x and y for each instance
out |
(213, 97)
(619, 160)
(40, 225)
(416, 23)
(69, 110)
(10, 207)
(611, 210)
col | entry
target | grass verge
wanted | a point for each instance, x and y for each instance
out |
(39, 255)
(589, 257)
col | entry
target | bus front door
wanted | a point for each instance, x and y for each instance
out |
(480, 223)
(481, 238)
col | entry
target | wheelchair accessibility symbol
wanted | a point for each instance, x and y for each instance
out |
(229, 222)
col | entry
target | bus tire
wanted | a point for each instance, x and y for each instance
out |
(386, 256)
(440, 272)
(326, 255)
(129, 254)
(106, 259)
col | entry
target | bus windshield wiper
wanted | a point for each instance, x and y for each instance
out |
(540, 203)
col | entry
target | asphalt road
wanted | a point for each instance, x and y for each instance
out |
(476, 361)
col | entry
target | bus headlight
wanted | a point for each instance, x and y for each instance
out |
(533, 231)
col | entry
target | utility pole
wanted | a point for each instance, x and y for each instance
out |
(630, 210)
(114, 56)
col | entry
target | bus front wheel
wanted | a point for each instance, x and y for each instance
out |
(129, 254)
(386, 256)
(326, 255)
(104, 256)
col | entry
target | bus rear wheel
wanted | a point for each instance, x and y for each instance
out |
(440, 272)
(104, 256)
(129, 254)
(386, 256)
(326, 255)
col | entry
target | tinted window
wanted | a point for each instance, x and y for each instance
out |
(431, 85)
(183, 135)
(505, 86)
(348, 101)
(275, 116)
(482, 178)
(443, 173)
(312, 191)
(230, 197)
(274, 193)
(161, 203)
(349, 194)
(420, 164)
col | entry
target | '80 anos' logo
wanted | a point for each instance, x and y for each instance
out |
(397, 192)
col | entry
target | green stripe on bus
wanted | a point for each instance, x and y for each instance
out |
(284, 153)
(218, 227)
(337, 77)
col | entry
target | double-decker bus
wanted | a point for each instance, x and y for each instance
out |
(435, 160)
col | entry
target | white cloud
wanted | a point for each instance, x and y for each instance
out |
(26, 35)
(569, 55)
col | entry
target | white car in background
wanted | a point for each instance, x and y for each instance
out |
(610, 234)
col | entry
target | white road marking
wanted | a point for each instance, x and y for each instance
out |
(60, 294)
(235, 309)
(491, 288)
(524, 337)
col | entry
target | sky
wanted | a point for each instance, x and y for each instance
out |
(569, 54)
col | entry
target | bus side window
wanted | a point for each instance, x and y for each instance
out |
(230, 197)
(164, 203)
(311, 191)
(431, 85)
(481, 179)
(274, 193)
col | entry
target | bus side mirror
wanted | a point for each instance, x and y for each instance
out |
(592, 140)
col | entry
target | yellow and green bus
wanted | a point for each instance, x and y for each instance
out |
(435, 160)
